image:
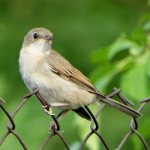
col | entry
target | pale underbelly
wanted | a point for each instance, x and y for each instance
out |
(56, 90)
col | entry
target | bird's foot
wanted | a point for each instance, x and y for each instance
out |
(48, 110)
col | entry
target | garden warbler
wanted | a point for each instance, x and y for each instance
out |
(59, 83)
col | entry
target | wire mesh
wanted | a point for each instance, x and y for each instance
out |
(55, 128)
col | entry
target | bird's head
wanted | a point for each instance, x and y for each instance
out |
(40, 38)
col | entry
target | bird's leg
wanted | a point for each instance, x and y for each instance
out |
(46, 106)
(48, 110)
(55, 124)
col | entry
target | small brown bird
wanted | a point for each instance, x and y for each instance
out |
(59, 83)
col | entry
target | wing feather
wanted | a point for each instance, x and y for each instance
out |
(63, 68)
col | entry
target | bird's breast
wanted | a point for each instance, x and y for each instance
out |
(36, 73)
(30, 62)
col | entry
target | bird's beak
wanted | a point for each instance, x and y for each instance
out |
(48, 37)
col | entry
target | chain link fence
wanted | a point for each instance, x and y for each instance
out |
(55, 128)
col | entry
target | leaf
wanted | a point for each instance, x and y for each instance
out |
(119, 49)
(136, 50)
(134, 83)
(103, 75)
(104, 81)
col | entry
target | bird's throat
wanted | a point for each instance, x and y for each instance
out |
(40, 46)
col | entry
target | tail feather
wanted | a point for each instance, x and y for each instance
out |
(120, 106)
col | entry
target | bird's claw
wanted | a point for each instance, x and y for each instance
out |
(48, 110)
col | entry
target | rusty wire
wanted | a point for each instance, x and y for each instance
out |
(134, 127)
(55, 128)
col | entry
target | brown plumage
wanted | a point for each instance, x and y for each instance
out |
(63, 68)
(59, 83)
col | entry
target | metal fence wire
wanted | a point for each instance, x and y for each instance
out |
(55, 128)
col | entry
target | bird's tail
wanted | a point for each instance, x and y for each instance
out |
(117, 105)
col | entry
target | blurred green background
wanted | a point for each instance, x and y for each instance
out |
(108, 40)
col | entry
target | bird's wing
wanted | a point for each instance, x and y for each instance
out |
(63, 68)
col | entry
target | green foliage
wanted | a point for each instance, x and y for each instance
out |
(125, 64)
(79, 27)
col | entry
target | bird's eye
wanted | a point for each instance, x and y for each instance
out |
(35, 35)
